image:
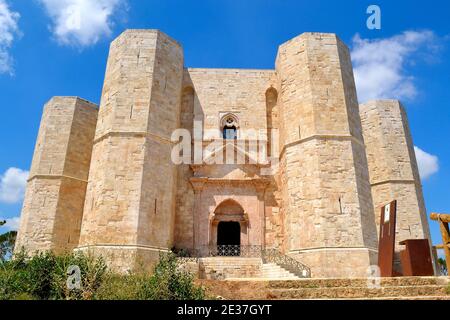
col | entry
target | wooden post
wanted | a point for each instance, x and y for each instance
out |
(444, 220)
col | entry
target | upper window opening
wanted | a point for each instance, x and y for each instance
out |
(230, 133)
(229, 127)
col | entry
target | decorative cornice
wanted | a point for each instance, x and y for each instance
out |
(123, 246)
(336, 137)
(54, 176)
(137, 134)
(312, 249)
(199, 182)
(395, 181)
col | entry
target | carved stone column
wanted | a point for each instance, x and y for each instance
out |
(197, 185)
(260, 187)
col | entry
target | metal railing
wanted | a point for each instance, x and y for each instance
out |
(286, 262)
(267, 256)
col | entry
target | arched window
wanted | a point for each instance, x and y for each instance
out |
(230, 133)
(229, 127)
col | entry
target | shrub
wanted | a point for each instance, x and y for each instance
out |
(92, 272)
(44, 276)
(12, 283)
(170, 282)
(120, 287)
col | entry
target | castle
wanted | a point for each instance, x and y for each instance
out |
(104, 179)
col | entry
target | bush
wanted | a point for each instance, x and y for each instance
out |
(120, 287)
(92, 272)
(12, 283)
(170, 282)
(44, 276)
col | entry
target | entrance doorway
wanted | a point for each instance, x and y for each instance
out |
(229, 233)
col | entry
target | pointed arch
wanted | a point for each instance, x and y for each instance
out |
(229, 125)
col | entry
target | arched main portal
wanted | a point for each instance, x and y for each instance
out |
(229, 224)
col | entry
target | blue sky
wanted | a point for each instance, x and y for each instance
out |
(42, 55)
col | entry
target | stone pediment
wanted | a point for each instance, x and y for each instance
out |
(234, 152)
(229, 161)
(228, 171)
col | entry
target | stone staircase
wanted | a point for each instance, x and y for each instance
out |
(274, 271)
(406, 288)
(221, 268)
(231, 268)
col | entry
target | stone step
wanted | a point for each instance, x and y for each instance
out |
(274, 271)
(411, 288)
(238, 267)
(227, 267)
(428, 298)
(333, 283)
(356, 292)
(279, 274)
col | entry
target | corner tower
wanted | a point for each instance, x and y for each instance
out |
(326, 196)
(394, 174)
(129, 208)
(56, 188)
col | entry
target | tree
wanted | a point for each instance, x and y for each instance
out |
(7, 241)
(442, 267)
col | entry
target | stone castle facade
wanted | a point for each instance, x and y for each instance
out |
(103, 179)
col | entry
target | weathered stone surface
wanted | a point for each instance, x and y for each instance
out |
(316, 206)
(327, 200)
(415, 288)
(393, 168)
(131, 192)
(54, 200)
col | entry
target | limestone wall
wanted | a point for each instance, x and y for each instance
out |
(53, 205)
(393, 167)
(326, 196)
(115, 172)
(208, 95)
(239, 91)
(130, 203)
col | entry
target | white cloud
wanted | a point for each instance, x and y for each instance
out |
(9, 29)
(380, 64)
(428, 163)
(11, 223)
(12, 185)
(81, 22)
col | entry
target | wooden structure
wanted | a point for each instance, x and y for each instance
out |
(444, 220)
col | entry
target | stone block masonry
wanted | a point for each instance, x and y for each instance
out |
(104, 181)
(54, 200)
(393, 169)
(326, 194)
(130, 202)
